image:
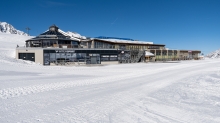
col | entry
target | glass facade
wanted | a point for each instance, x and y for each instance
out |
(103, 45)
(86, 56)
(109, 57)
(52, 43)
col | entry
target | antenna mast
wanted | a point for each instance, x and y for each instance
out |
(28, 30)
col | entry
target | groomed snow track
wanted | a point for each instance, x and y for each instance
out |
(184, 92)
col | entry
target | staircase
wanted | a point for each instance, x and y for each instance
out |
(139, 54)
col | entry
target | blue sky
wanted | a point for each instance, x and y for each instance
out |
(179, 24)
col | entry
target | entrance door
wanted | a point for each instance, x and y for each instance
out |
(93, 60)
(27, 56)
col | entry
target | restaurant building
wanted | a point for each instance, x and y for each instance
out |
(56, 47)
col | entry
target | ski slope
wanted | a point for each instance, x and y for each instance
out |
(182, 92)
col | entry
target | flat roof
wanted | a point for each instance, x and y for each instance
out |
(40, 48)
(129, 42)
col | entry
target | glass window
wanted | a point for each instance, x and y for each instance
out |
(158, 53)
(52, 57)
(89, 44)
(74, 43)
(104, 57)
(170, 53)
(113, 58)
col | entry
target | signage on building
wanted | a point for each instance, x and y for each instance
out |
(65, 51)
(105, 55)
(113, 56)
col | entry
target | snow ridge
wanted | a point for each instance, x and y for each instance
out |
(8, 28)
(215, 54)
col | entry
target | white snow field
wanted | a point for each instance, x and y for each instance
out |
(182, 92)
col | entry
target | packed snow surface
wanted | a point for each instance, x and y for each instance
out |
(178, 92)
(215, 54)
(8, 28)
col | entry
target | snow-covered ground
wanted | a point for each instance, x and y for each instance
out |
(184, 92)
(9, 29)
(215, 54)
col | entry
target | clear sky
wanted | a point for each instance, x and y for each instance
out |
(179, 24)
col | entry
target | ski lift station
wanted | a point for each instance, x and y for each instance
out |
(56, 47)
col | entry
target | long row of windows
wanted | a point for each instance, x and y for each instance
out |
(90, 56)
(75, 57)
(109, 57)
(50, 43)
(103, 45)
(160, 52)
(136, 47)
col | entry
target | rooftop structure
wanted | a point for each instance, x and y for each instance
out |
(54, 37)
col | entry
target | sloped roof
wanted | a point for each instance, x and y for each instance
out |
(66, 34)
(53, 30)
(55, 33)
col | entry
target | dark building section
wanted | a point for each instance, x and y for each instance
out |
(88, 56)
(27, 56)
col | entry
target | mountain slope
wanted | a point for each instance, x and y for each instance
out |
(8, 28)
(215, 54)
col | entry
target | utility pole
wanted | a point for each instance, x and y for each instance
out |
(28, 30)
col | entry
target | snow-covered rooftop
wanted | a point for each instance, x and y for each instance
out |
(75, 35)
(125, 41)
(66, 34)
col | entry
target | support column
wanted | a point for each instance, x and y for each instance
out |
(92, 45)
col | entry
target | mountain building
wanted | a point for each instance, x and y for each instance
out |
(56, 47)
